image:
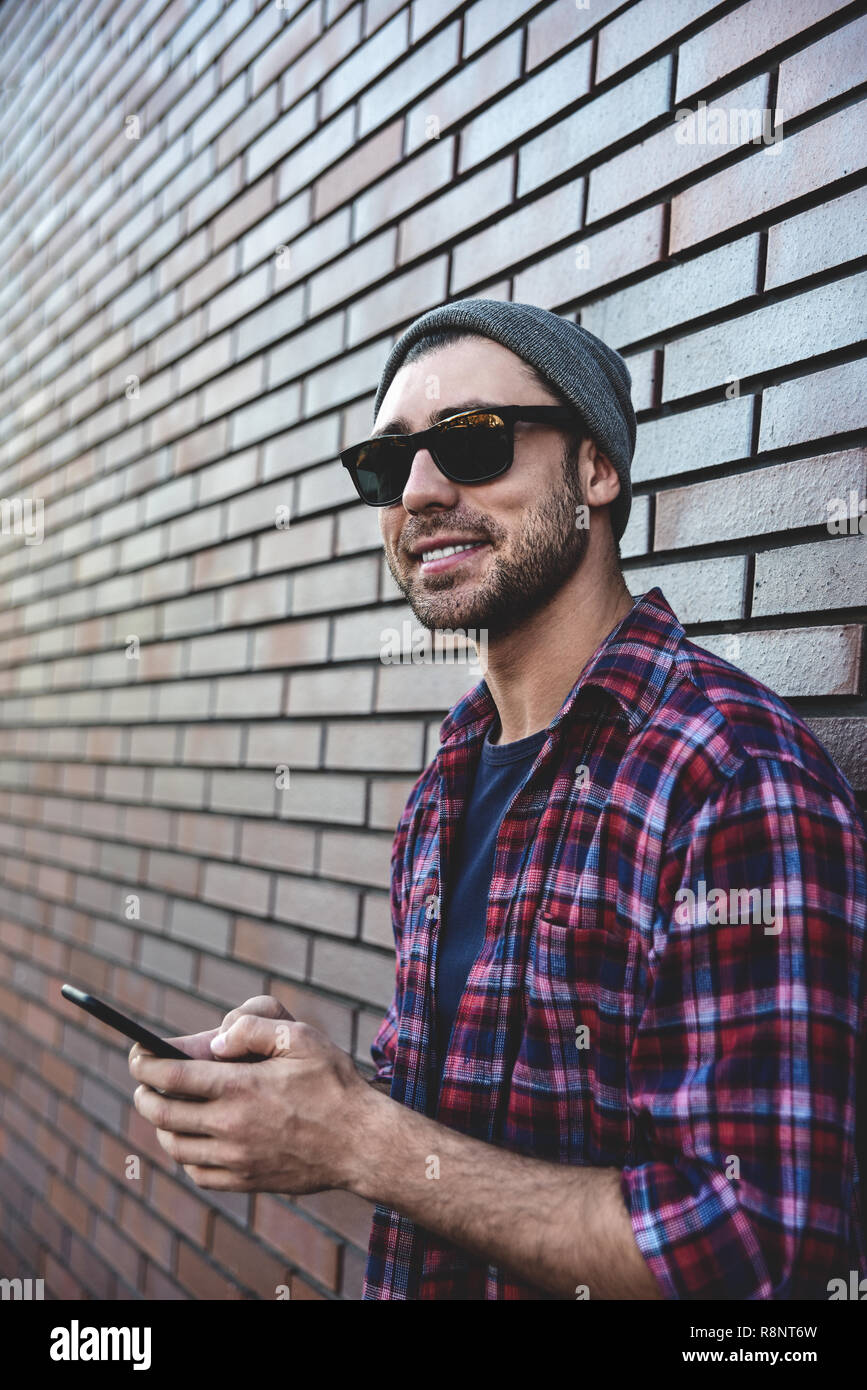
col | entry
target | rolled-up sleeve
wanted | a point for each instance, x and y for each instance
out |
(742, 1072)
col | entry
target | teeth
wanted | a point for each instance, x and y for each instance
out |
(446, 550)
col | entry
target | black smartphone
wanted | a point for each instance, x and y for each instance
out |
(106, 1014)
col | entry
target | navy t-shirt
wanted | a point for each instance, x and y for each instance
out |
(501, 770)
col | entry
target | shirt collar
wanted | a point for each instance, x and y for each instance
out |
(631, 666)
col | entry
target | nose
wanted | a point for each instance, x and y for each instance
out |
(426, 486)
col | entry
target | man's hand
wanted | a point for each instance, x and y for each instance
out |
(260, 1006)
(199, 1044)
(288, 1123)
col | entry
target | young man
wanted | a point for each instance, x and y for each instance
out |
(628, 898)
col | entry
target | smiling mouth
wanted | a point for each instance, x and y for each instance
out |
(446, 557)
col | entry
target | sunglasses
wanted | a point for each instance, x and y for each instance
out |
(472, 447)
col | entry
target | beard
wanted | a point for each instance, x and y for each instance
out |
(528, 568)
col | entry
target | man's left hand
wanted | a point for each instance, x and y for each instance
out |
(289, 1123)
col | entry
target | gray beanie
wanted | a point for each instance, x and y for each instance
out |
(590, 375)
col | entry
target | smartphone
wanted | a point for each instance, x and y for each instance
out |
(106, 1014)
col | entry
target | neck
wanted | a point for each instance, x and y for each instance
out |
(531, 670)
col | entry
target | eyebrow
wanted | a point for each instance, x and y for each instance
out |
(401, 426)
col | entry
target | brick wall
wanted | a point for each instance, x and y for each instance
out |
(171, 378)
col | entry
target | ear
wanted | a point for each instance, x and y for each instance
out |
(602, 482)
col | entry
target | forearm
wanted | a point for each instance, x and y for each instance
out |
(554, 1226)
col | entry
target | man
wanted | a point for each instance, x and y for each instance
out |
(628, 899)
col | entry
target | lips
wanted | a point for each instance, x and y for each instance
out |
(444, 541)
(449, 561)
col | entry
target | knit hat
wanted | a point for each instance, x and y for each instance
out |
(590, 375)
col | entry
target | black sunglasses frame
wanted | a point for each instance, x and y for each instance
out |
(427, 439)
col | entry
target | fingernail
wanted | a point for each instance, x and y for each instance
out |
(219, 1042)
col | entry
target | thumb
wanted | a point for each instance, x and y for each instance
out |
(252, 1037)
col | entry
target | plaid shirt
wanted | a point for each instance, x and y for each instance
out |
(716, 1066)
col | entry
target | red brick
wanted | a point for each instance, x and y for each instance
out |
(60, 1283)
(300, 1242)
(412, 181)
(70, 1206)
(311, 1006)
(121, 1255)
(352, 1278)
(181, 1206)
(296, 34)
(158, 1286)
(279, 949)
(254, 1267)
(309, 129)
(301, 1291)
(559, 26)
(200, 1277)
(772, 499)
(310, 68)
(366, 163)
(139, 1222)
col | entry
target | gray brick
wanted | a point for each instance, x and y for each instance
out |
(693, 439)
(819, 320)
(594, 127)
(796, 662)
(675, 295)
(808, 578)
(814, 407)
(527, 106)
(358, 971)
(768, 500)
(697, 589)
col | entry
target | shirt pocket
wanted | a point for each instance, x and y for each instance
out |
(579, 995)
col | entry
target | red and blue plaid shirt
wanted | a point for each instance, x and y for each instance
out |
(704, 1047)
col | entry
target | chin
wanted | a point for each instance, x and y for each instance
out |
(441, 617)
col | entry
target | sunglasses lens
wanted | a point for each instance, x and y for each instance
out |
(382, 469)
(474, 446)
